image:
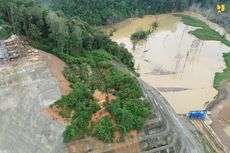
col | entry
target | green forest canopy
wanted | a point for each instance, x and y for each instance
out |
(103, 12)
(100, 12)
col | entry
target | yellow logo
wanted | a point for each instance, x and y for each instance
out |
(220, 8)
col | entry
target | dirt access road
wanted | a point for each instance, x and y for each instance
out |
(220, 115)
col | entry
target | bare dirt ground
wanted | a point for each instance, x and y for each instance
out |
(220, 115)
(54, 114)
(101, 97)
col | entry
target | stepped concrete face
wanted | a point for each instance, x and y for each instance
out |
(25, 90)
(158, 136)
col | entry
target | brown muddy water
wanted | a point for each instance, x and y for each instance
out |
(181, 66)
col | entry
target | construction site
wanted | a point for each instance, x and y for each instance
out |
(31, 80)
(29, 83)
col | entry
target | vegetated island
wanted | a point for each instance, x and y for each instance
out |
(206, 33)
(141, 34)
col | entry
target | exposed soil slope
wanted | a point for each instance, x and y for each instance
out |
(56, 67)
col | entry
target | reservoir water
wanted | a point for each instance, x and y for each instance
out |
(175, 62)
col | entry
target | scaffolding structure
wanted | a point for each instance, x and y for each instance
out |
(10, 50)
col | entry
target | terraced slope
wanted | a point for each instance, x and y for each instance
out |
(25, 90)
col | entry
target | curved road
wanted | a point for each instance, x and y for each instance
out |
(162, 105)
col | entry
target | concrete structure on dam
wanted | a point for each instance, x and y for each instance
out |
(25, 90)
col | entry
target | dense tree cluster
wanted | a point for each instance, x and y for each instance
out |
(104, 130)
(5, 33)
(88, 73)
(141, 34)
(129, 114)
(99, 12)
(138, 35)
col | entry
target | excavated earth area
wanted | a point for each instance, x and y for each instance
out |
(25, 90)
